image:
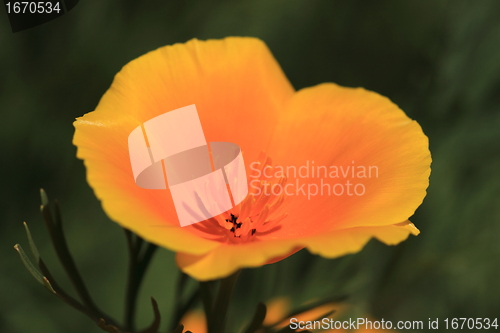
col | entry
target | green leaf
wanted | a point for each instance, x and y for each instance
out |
(47, 285)
(29, 265)
(33, 270)
(44, 197)
(310, 306)
(258, 318)
(34, 249)
(156, 322)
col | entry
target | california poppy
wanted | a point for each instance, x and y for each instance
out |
(339, 135)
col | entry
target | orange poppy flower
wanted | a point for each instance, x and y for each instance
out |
(347, 164)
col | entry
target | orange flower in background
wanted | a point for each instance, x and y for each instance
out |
(277, 310)
(195, 322)
(343, 137)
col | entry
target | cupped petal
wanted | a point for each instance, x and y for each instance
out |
(238, 89)
(346, 241)
(353, 159)
(226, 259)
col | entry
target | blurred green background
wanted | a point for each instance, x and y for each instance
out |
(438, 60)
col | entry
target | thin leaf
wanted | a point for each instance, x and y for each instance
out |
(61, 246)
(258, 318)
(44, 198)
(29, 265)
(34, 249)
(310, 306)
(62, 294)
(156, 323)
(32, 269)
(55, 227)
(288, 329)
(47, 285)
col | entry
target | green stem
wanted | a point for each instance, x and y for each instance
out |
(54, 225)
(206, 292)
(182, 307)
(226, 289)
(67, 298)
(56, 232)
(137, 269)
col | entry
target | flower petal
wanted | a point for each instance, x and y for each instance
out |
(239, 90)
(341, 242)
(369, 141)
(226, 259)
(194, 321)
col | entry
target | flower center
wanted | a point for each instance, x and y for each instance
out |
(259, 214)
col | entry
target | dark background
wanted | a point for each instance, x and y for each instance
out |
(438, 60)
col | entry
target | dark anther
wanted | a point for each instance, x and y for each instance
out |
(237, 225)
(234, 221)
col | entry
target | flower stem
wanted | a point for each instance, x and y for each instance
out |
(67, 298)
(218, 322)
(182, 307)
(137, 268)
(206, 292)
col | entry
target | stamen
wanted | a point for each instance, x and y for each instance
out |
(257, 215)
